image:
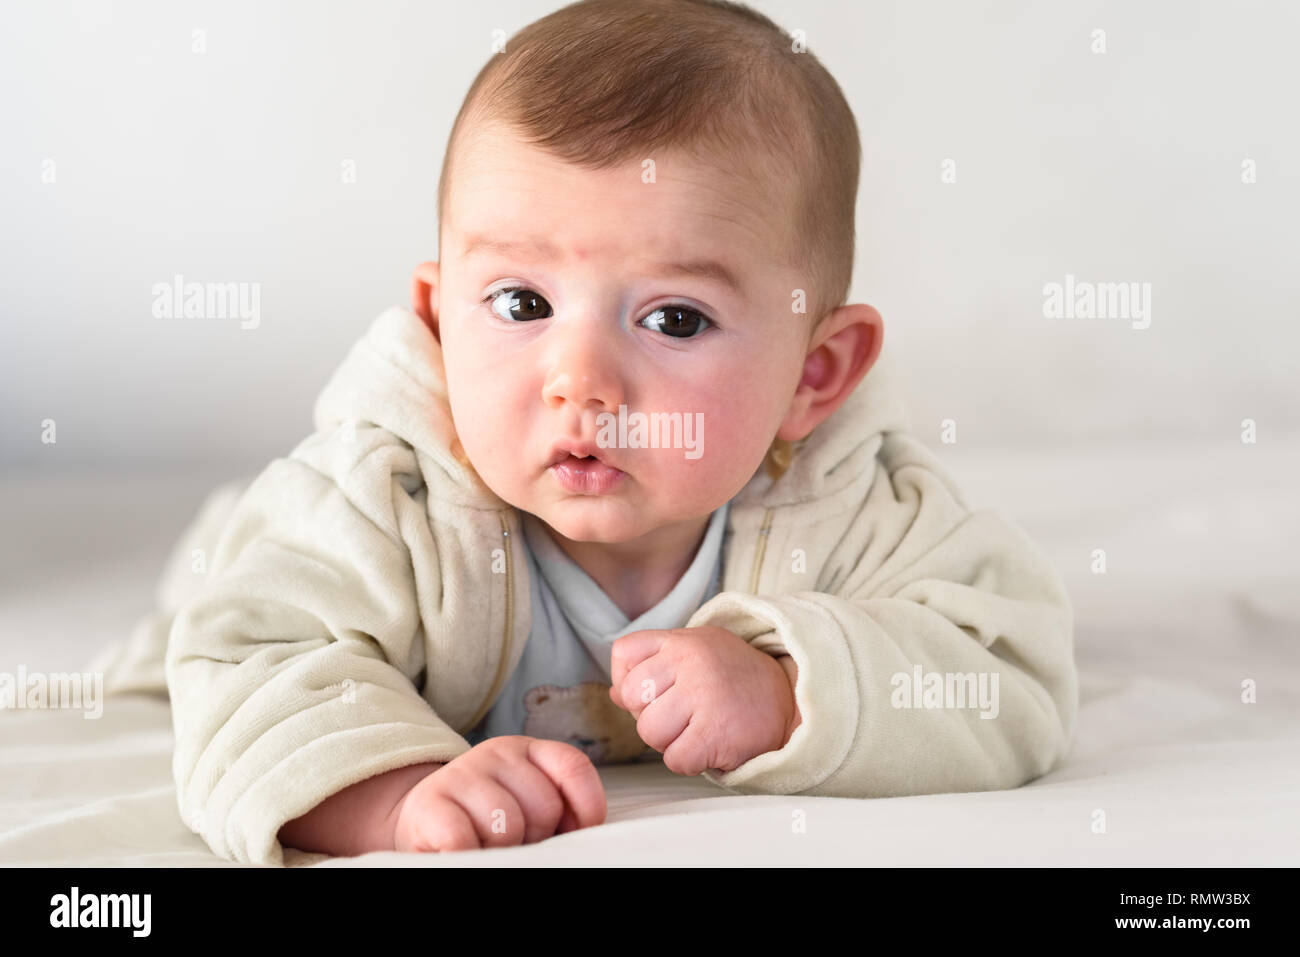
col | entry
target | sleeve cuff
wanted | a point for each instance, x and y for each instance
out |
(312, 774)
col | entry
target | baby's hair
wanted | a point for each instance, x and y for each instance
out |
(599, 83)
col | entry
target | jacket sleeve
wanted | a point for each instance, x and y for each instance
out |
(293, 673)
(963, 601)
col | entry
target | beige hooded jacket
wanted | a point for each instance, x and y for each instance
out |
(366, 600)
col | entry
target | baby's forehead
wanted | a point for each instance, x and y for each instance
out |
(669, 199)
(491, 154)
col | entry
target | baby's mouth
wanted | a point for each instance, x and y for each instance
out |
(585, 475)
(577, 454)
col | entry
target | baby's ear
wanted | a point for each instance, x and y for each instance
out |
(425, 284)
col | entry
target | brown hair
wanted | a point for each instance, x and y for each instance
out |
(600, 82)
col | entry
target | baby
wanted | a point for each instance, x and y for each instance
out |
(610, 490)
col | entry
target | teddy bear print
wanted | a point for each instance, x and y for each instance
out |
(585, 717)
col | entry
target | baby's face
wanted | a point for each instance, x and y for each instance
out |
(599, 319)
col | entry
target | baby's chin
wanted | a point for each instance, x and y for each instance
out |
(619, 515)
(587, 518)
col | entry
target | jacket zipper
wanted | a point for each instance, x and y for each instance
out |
(758, 553)
(509, 626)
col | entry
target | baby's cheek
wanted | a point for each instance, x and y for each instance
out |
(729, 458)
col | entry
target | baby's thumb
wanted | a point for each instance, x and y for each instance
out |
(577, 780)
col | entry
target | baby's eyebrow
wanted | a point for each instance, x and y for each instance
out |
(544, 249)
(537, 248)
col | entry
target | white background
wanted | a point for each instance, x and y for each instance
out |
(1115, 167)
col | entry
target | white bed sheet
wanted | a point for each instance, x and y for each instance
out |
(1202, 592)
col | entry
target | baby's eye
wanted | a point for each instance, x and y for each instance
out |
(679, 322)
(524, 304)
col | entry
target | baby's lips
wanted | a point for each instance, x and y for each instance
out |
(563, 448)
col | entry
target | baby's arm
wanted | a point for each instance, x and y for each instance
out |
(508, 790)
(357, 820)
(941, 592)
(292, 674)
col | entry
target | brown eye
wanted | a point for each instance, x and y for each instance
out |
(679, 322)
(521, 305)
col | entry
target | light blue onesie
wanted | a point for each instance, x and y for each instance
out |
(560, 688)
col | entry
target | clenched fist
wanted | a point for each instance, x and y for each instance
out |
(704, 696)
(507, 790)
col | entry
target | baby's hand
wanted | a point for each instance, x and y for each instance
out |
(511, 789)
(703, 696)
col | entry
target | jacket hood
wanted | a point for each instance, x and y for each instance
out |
(394, 377)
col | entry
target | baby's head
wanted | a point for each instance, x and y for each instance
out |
(646, 205)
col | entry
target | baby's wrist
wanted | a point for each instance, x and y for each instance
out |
(358, 819)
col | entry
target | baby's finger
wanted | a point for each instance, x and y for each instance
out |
(543, 805)
(630, 650)
(664, 720)
(688, 754)
(441, 824)
(567, 822)
(497, 816)
(646, 682)
(577, 779)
